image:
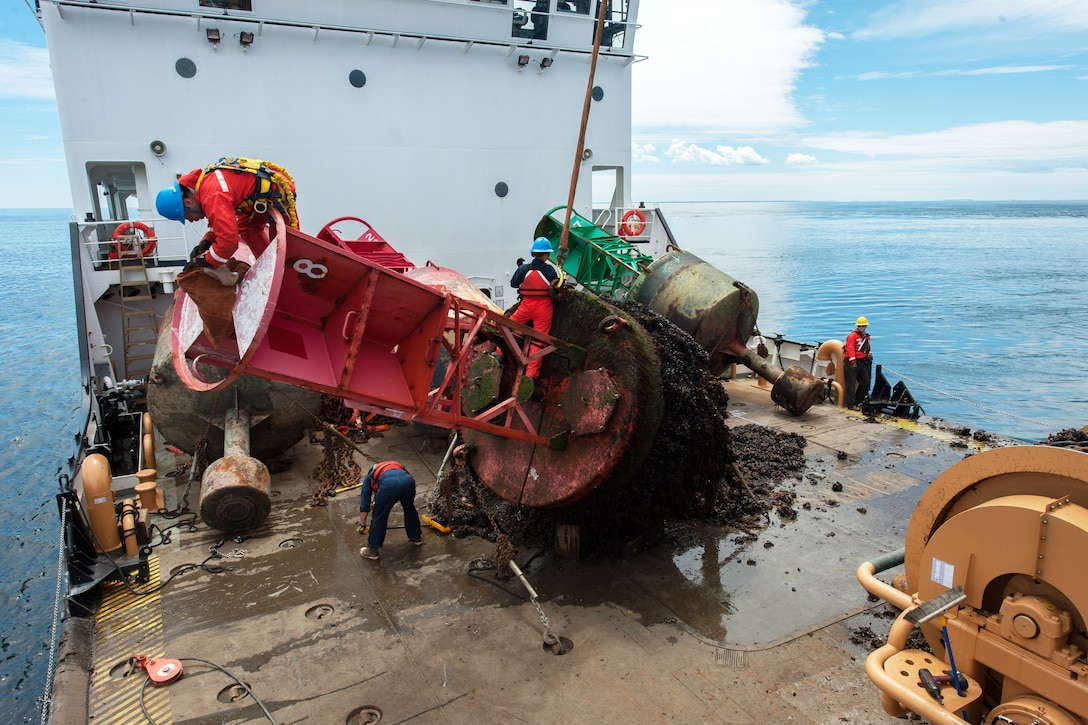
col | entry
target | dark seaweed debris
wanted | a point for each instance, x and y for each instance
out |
(1069, 438)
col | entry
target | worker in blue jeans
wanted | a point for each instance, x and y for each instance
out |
(385, 484)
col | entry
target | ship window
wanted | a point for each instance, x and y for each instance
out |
(116, 190)
(531, 19)
(573, 6)
(615, 23)
(227, 4)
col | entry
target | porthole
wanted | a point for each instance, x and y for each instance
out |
(185, 68)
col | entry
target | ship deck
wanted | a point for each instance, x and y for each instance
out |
(705, 627)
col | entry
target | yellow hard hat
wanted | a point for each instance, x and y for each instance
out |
(862, 321)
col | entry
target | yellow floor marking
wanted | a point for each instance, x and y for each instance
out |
(127, 625)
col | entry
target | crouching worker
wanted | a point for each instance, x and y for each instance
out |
(385, 484)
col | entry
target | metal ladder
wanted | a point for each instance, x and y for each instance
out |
(139, 323)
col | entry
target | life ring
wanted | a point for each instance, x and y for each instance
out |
(633, 228)
(125, 247)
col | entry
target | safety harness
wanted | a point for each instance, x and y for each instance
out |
(274, 186)
(535, 284)
(380, 468)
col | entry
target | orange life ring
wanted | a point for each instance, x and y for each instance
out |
(125, 248)
(631, 228)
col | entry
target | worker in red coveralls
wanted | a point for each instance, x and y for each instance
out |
(236, 196)
(859, 364)
(533, 281)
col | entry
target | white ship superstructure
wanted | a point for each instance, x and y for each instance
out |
(450, 125)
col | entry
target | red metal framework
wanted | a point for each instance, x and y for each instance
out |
(311, 314)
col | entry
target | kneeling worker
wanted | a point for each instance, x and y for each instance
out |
(385, 484)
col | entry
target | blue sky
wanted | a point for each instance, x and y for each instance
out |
(862, 99)
(770, 99)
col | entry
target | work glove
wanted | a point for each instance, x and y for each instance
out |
(204, 245)
(197, 262)
(360, 529)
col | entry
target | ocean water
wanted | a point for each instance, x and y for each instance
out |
(978, 307)
(39, 387)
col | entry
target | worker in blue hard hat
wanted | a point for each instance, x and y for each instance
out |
(533, 281)
(858, 355)
(236, 196)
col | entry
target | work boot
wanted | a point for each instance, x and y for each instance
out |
(417, 542)
(367, 553)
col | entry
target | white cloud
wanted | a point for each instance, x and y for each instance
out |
(996, 70)
(718, 67)
(914, 18)
(24, 72)
(680, 151)
(800, 159)
(644, 152)
(982, 145)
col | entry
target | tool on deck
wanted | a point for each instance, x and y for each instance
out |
(435, 525)
(933, 683)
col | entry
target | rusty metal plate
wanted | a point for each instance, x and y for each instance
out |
(589, 401)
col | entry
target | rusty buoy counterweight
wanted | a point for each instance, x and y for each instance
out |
(236, 490)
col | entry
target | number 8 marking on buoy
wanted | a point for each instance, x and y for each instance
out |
(310, 269)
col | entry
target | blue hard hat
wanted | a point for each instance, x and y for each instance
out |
(541, 244)
(170, 204)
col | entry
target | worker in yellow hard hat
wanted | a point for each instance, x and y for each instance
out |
(859, 364)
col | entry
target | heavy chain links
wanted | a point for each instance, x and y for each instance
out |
(504, 547)
(337, 468)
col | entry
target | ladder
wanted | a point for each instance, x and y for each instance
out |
(139, 323)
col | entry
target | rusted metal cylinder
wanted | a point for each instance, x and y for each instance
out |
(794, 388)
(716, 310)
(236, 490)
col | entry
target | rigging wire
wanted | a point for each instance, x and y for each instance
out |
(968, 402)
(57, 616)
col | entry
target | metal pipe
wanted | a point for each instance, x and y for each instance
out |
(866, 577)
(833, 350)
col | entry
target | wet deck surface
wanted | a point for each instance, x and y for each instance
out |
(708, 630)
